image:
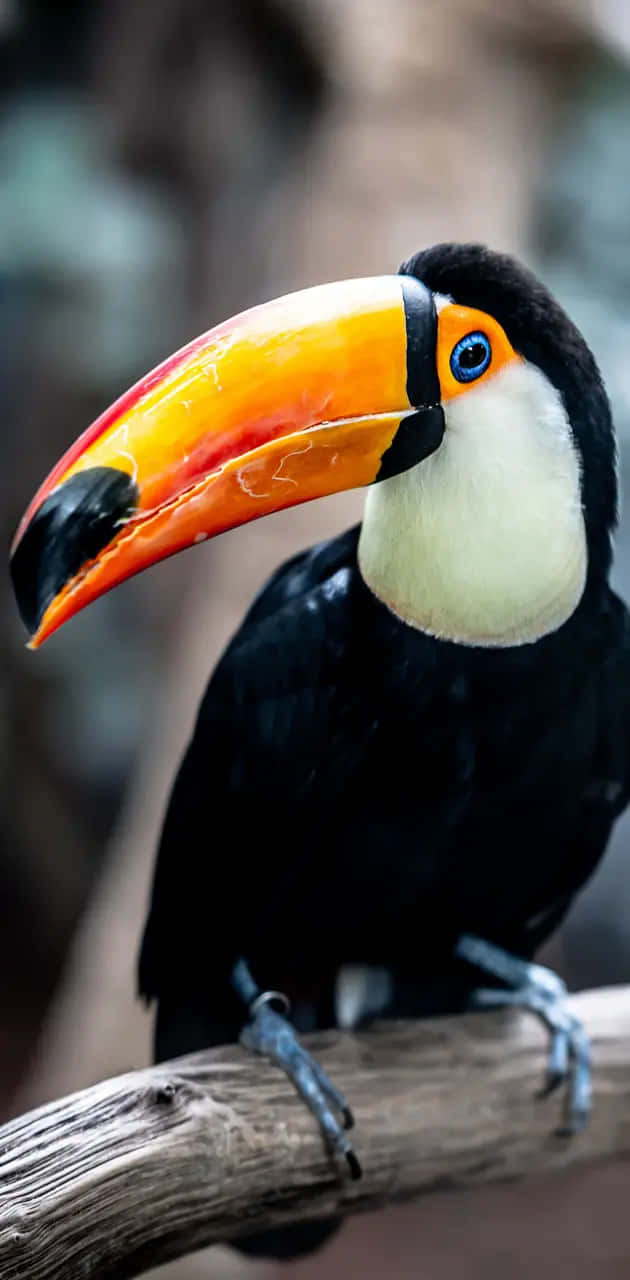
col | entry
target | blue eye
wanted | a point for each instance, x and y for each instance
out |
(470, 357)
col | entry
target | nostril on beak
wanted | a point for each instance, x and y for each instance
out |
(73, 524)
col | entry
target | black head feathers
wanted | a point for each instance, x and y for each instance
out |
(540, 330)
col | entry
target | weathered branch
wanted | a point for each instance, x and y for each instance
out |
(153, 1164)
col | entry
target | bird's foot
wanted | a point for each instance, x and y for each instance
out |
(270, 1033)
(532, 986)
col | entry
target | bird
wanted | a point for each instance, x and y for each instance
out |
(411, 754)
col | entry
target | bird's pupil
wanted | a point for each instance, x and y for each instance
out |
(472, 356)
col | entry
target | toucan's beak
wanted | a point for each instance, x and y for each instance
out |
(323, 390)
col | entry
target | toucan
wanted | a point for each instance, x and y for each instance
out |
(411, 754)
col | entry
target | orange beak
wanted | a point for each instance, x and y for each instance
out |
(298, 398)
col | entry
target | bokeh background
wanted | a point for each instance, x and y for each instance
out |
(164, 163)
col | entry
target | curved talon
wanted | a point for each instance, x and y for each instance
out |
(552, 1083)
(356, 1172)
(270, 1034)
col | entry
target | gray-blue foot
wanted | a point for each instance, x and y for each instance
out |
(269, 1032)
(532, 986)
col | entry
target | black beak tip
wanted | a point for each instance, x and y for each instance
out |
(73, 524)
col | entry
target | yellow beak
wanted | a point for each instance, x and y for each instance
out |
(289, 401)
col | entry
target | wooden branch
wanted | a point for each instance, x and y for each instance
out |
(151, 1165)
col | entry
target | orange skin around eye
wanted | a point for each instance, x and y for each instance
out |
(453, 324)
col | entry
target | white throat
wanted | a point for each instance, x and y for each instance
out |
(484, 541)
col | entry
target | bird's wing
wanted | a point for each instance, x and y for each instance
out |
(265, 716)
(602, 719)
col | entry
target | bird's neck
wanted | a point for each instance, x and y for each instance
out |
(483, 543)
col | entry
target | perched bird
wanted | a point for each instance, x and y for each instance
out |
(411, 754)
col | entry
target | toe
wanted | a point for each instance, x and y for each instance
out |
(558, 1063)
(334, 1095)
(270, 1034)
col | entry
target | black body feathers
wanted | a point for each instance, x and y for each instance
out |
(356, 791)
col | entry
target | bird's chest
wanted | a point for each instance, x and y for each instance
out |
(458, 815)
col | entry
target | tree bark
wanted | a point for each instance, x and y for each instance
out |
(433, 125)
(153, 1164)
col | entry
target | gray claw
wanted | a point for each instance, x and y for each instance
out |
(270, 1034)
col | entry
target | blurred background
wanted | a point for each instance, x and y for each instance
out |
(163, 164)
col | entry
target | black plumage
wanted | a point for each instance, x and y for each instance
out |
(356, 791)
(541, 331)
